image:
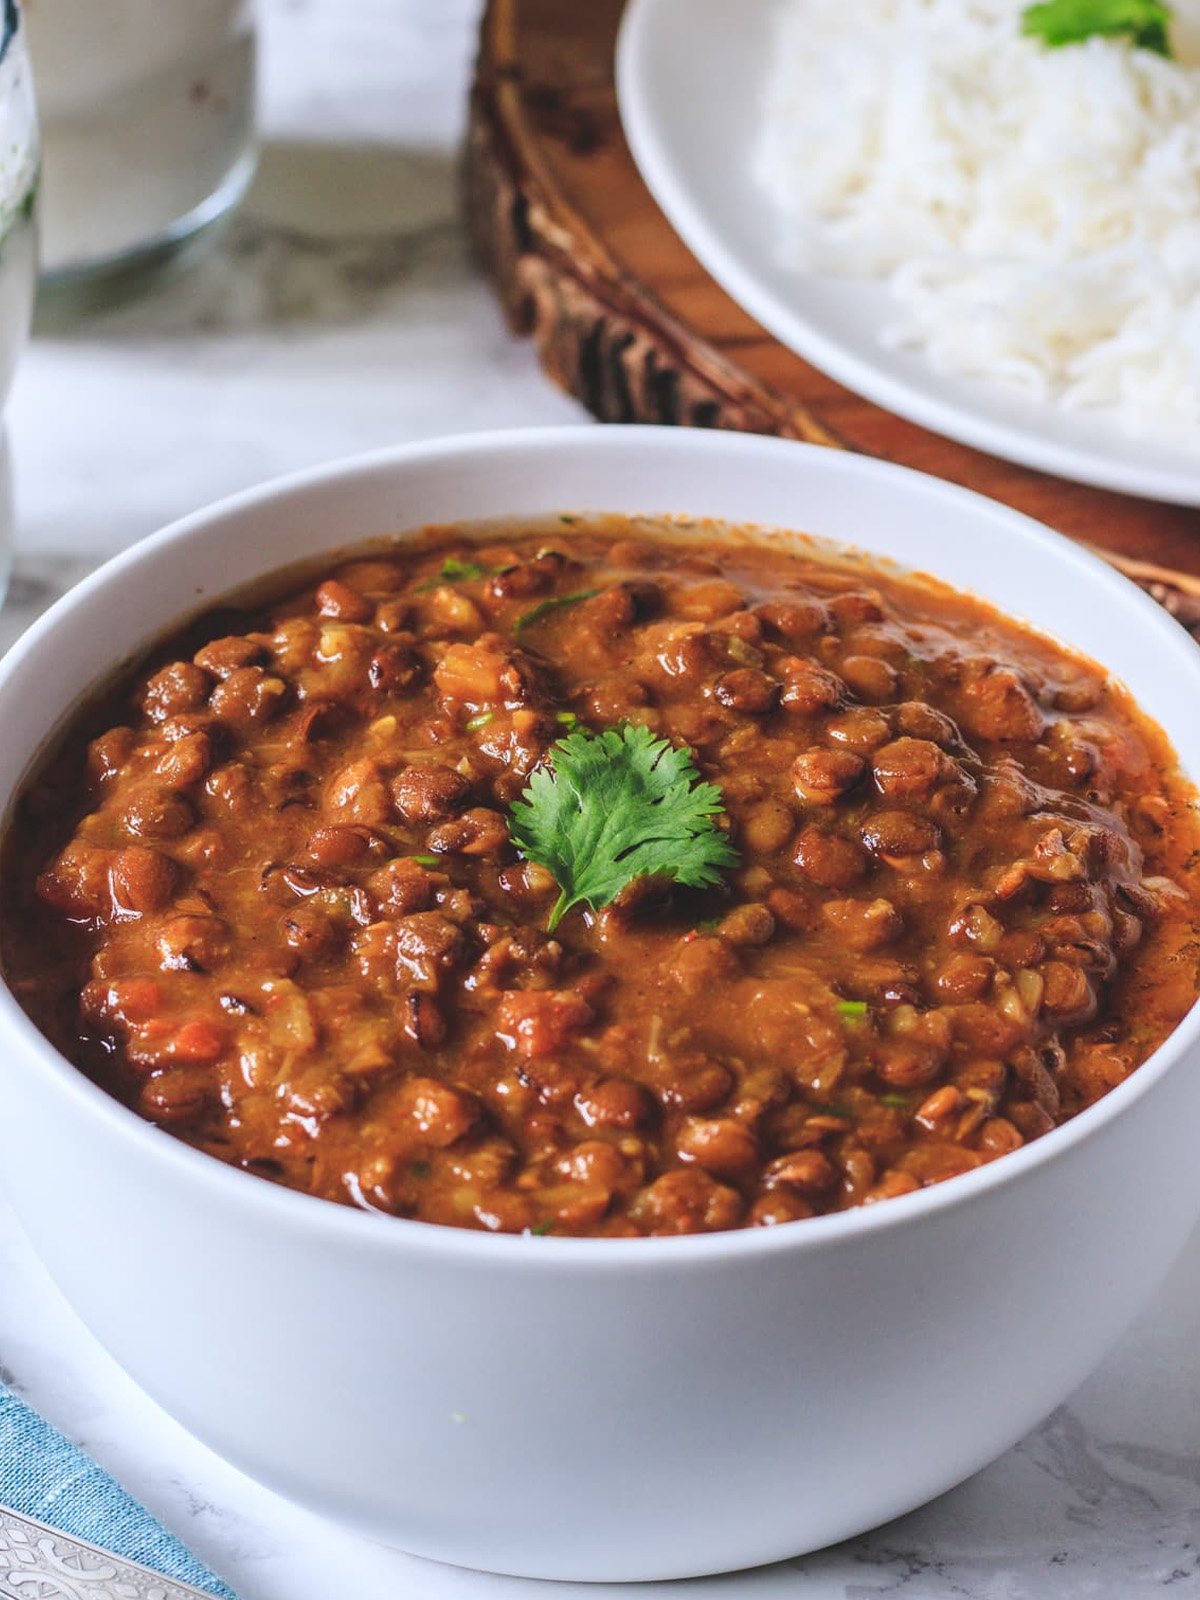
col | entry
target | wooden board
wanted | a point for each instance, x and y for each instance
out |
(627, 320)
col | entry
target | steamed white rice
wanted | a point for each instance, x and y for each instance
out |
(1036, 212)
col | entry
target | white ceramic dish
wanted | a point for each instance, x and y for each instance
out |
(602, 1409)
(689, 82)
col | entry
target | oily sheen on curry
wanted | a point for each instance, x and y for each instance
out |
(345, 888)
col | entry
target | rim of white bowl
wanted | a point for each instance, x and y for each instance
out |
(379, 1231)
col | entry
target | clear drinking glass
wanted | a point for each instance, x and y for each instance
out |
(19, 160)
(147, 116)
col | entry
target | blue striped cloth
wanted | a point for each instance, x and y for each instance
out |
(44, 1476)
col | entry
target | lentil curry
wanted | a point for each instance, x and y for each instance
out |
(949, 892)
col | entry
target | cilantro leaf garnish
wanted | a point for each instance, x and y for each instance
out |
(620, 805)
(453, 570)
(1059, 22)
(555, 603)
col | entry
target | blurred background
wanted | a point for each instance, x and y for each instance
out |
(337, 311)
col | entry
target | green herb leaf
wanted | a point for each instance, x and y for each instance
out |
(541, 1229)
(452, 570)
(556, 603)
(426, 861)
(620, 805)
(852, 1008)
(567, 718)
(481, 721)
(563, 517)
(899, 1101)
(1059, 22)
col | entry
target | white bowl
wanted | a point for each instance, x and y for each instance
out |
(603, 1409)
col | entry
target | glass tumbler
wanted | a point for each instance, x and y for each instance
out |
(19, 161)
(147, 117)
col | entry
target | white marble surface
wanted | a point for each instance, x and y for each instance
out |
(342, 313)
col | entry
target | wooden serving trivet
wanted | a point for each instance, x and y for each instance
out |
(625, 318)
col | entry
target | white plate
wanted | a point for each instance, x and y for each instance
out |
(690, 79)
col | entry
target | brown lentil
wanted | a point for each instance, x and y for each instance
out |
(266, 892)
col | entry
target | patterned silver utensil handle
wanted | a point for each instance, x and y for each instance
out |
(40, 1563)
